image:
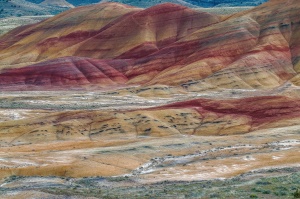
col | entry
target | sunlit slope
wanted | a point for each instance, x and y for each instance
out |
(166, 44)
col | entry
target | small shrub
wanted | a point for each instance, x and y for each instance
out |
(13, 178)
(280, 193)
(214, 195)
(255, 189)
(266, 192)
(118, 179)
(263, 183)
(297, 194)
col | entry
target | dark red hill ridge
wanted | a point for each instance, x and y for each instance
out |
(65, 72)
(261, 110)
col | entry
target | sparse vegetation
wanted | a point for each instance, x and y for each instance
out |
(239, 187)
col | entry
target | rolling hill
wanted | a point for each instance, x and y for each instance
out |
(165, 44)
(152, 95)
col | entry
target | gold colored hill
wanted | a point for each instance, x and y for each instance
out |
(108, 143)
(169, 44)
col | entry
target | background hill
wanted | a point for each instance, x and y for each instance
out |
(10, 23)
(226, 3)
(190, 3)
(166, 44)
(25, 8)
(199, 3)
(10, 8)
(57, 3)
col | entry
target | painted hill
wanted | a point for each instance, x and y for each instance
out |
(167, 44)
(117, 142)
(166, 93)
(67, 72)
(200, 117)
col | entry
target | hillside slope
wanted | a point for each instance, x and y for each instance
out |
(168, 44)
(166, 93)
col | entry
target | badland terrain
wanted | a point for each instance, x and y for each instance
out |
(114, 101)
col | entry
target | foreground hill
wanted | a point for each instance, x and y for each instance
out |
(165, 44)
(201, 117)
(199, 139)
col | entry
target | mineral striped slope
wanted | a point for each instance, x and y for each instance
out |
(166, 44)
(200, 117)
(108, 143)
(168, 53)
(67, 72)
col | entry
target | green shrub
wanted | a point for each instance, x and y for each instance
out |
(266, 192)
(297, 194)
(280, 193)
(256, 189)
(263, 183)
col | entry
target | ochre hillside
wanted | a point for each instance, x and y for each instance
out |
(165, 44)
(162, 94)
